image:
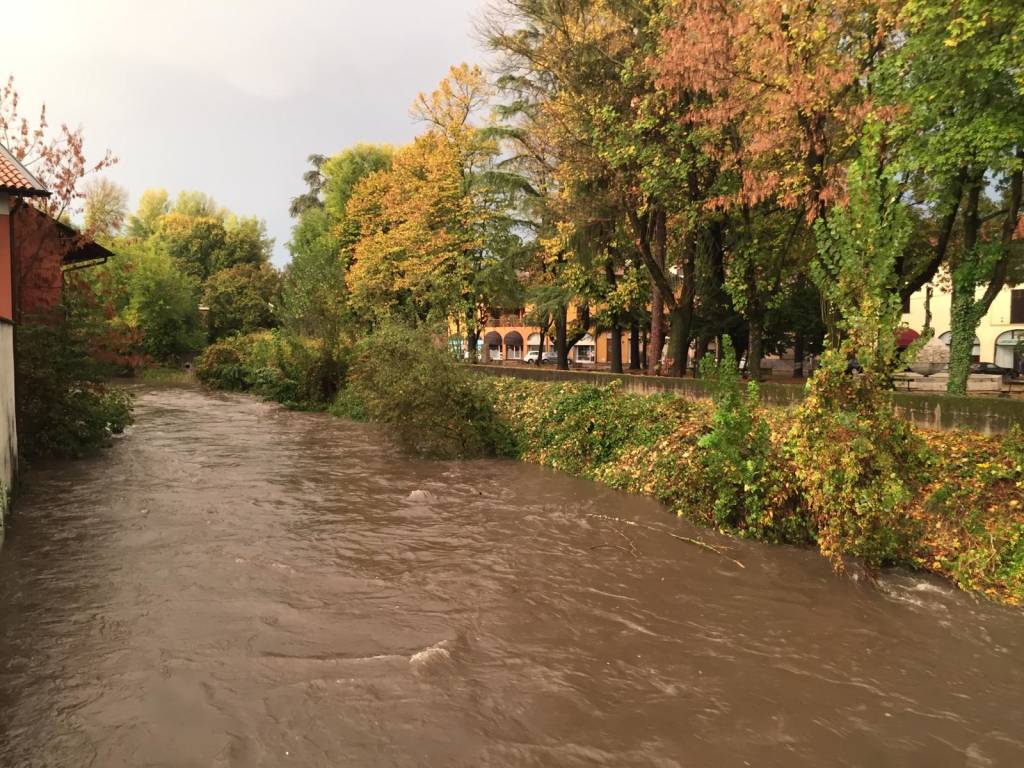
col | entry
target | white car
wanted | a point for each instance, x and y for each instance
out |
(545, 357)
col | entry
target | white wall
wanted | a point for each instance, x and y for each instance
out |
(8, 436)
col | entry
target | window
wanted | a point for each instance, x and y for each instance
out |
(1017, 305)
(906, 305)
(975, 350)
(585, 350)
(533, 343)
(514, 352)
(585, 353)
(1010, 350)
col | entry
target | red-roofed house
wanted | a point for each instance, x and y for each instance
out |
(15, 182)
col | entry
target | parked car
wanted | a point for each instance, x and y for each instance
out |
(545, 357)
(992, 369)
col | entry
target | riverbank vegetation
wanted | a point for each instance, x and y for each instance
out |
(958, 512)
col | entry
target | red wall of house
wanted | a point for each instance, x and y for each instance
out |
(6, 292)
(38, 255)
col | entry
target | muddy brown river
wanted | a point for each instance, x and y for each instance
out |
(233, 584)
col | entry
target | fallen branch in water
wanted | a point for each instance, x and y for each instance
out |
(613, 546)
(632, 545)
(687, 539)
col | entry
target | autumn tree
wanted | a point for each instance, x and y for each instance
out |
(782, 90)
(55, 156)
(153, 204)
(433, 230)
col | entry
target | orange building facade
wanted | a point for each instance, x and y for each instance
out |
(509, 338)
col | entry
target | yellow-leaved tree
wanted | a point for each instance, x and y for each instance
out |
(436, 241)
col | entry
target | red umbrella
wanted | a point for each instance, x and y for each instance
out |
(905, 337)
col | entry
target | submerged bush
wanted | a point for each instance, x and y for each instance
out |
(860, 466)
(64, 405)
(434, 406)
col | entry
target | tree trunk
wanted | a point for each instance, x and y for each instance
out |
(798, 356)
(615, 347)
(561, 345)
(680, 338)
(702, 349)
(654, 347)
(927, 309)
(755, 344)
(962, 325)
(963, 318)
(471, 340)
(634, 346)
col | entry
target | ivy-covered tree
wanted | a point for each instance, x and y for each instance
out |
(956, 81)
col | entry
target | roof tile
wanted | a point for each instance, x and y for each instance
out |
(15, 178)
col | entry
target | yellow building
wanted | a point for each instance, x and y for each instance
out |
(1000, 335)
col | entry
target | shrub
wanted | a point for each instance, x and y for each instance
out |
(348, 405)
(433, 405)
(859, 464)
(736, 453)
(64, 406)
(300, 373)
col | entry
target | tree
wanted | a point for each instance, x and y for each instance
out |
(241, 299)
(960, 142)
(203, 245)
(163, 305)
(314, 182)
(56, 158)
(153, 204)
(779, 90)
(564, 71)
(315, 295)
(434, 229)
(858, 246)
(343, 171)
(106, 207)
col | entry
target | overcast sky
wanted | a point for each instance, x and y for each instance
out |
(230, 96)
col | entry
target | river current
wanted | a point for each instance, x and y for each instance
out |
(233, 584)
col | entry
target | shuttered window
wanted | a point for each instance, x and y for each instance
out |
(1017, 306)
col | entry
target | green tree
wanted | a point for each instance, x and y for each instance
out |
(315, 295)
(204, 245)
(241, 299)
(958, 84)
(163, 305)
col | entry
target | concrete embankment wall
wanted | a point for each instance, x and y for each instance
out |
(988, 415)
(8, 435)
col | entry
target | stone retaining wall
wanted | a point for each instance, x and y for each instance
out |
(988, 415)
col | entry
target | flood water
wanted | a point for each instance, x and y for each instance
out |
(233, 584)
